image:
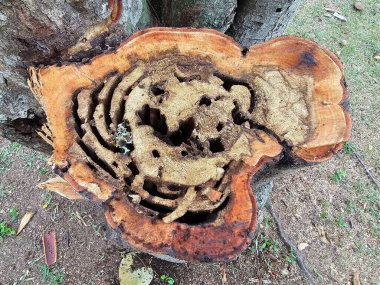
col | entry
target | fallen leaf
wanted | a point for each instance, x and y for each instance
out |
(140, 276)
(24, 221)
(322, 234)
(49, 243)
(356, 279)
(61, 187)
(302, 246)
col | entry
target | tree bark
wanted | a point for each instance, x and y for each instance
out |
(40, 32)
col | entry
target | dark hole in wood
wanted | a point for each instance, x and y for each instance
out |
(128, 180)
(228, 82)
(205, 101)
(202, 217)
(107, 102)
(153, 117)
(220, 126)
(188, 78)
(178, 188)
(152, 189)
(216, 145)
(155, 207)
(237, 116)
(155, 153)
(132, 166)
(183, 133)
(95, 158)
(157, 90)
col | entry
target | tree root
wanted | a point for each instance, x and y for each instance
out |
(289, 244)
(366, 170)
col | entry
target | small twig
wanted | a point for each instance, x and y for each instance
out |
(290, 245)
(366, 170)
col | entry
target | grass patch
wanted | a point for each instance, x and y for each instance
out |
(169, 280)
(6, 155)
(51, 276)
(339, 175)
(5, 230)
(14, 215)
(291, 258)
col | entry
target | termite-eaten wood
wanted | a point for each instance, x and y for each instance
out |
(168, 131)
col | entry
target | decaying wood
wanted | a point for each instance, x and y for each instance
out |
(183, 119)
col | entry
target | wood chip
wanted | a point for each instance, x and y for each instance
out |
(49, 243)
(340, 17)
(136, 199)
(356, 278)
(24, 221)
(212, 194)
(224, 274)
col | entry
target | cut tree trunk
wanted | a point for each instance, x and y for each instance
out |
(41, 32)
(168, 131)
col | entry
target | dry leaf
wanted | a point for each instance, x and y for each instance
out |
(322, 234)
(24, 221)
(61, 187)
(140, 276)
(356, 279)
(302, 246)
(49, 243)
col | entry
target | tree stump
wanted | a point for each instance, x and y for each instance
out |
(168, 131)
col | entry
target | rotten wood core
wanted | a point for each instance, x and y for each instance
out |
(168, 131)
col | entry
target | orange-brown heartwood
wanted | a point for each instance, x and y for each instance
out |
(168, 131)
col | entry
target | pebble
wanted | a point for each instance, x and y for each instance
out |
(343, 42)
(302, 246)
(359, 6)
(285, 271)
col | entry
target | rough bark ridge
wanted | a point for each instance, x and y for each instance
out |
(35, 32)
